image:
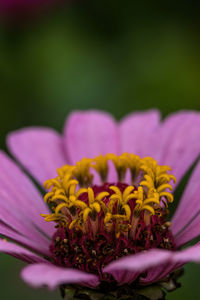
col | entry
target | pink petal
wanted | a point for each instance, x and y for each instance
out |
(178, 259)
(31, 241)
(38, 275)
(19, 252)
(90, 133)
(157, 273)
(40, 150)
(190, 254)
(21, 204)
(18, 219)
(186, 221)
(136, 132)
(156, 262)
(177, 142)
(124, 277)
(140, 261)
(189, 232)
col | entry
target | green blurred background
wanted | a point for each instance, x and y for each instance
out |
(117, 56)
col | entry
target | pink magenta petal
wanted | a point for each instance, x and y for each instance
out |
(140, 261)
(30, 241)
(40, 150)
(88, 134)
(157, 263)
(186, 221)
(19, 252)
(188, 233)
(19, 220)
(177, 142)
(136, 132)
(190, 254)
(52, 276)
(157, 273)
(21, 204)
(124, 277)
(178, 259)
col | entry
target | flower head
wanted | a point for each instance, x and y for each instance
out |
(98, 224)
(108, 202)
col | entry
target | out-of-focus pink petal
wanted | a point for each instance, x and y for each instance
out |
(90, 133)
(21, 204)
(40, 151)
(19, 252)
(186, 221)
(140, 261)
(177, 142)
(157, 263)
(52, 276)
(178, 259)
(190, 254)
(136, 132)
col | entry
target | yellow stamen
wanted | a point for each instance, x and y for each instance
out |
(82, 172)
(152, 186)
(120, 163)
(134, 163)
(101, 166)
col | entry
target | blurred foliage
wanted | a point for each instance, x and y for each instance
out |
(110, 55)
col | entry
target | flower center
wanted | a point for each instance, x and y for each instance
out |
(100, 223)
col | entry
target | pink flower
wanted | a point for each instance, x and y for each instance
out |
(174, 142)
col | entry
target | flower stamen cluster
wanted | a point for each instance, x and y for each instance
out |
(77, 205)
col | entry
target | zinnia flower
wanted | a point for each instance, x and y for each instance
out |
(108, 193)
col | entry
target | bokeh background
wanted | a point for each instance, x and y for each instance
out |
(117, 56)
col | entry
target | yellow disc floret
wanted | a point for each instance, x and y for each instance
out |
(100, 164)
(76, 205)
